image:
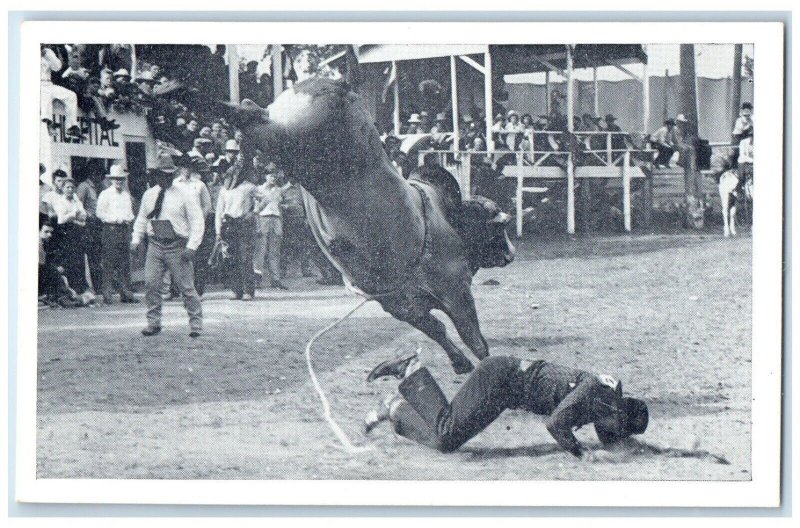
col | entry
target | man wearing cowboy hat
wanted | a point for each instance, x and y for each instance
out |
(424, 122)
(191, 179)
(173, 222)
(441, 124)
(227, 160)
(665, 141)
(617, 139)
(413, 124)
(115, 211)
(200, 147)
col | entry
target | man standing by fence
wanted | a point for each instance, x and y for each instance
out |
(173, 221)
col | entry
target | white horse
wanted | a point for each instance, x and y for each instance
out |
(728, 196)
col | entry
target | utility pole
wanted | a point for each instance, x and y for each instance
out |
(736, 99)
(688, 107)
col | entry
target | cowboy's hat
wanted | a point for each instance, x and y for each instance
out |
(510, 113)
(681, 119)
(117, 172)
(165, 164)
(609, 118)
(231, 144)
(122, 72)
(441, 116)
(414, 118)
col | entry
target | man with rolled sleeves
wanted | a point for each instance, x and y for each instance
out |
(115, 212)
(569, 397)
(174, 224)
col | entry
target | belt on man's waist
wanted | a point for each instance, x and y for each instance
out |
(116, 224)
(169, 241)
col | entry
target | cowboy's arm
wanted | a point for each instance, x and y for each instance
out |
(573, 411)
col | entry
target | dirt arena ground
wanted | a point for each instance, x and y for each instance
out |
(670, 315)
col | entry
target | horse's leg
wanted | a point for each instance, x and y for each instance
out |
(435, 329)
(459, 305)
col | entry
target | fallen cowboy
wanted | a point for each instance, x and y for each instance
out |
(569, 397)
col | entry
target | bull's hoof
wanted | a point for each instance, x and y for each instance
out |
(462, 366)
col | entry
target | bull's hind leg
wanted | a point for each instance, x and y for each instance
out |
(459, 305)
(435, 329)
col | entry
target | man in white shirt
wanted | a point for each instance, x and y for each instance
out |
(270, 227)
(173, 222)
(115, 211)
(744, 123)
(71, 218)
(191, 180)
(58, 177)
(235, 223)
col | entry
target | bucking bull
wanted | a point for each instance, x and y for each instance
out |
(413, 245)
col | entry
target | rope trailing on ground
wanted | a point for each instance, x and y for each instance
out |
(326, 407)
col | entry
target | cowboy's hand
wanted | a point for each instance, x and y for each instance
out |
(188, 255)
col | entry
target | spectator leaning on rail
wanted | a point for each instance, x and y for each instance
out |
(173, 222)
(115, 211)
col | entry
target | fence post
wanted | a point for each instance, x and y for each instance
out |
(626, 190)
(520, 183)
(570, 194)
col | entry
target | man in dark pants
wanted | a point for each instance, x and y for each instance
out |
(173, 222)
(570, 398)
(115, 211)
(88, 192)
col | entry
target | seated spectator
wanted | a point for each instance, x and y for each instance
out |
(513, 130)
(527, 122)
(617, 139)
(441, 124)
(106, 90)
(424, 122)
(413, 125)
(665, 141)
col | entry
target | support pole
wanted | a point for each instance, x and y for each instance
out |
(595, 95)
(626, 191)
(396, 96)
(277, 71)
(487, 94)
(454, 96)
(520, 184)
(645, 96)
(134, 65)
(570, 160)
(547, 92)
(233, 72)
(736, 95)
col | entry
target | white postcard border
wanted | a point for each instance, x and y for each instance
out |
(762, 490)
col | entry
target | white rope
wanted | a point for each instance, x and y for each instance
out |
(326, 408)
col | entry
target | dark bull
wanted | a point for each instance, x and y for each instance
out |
(396, 239)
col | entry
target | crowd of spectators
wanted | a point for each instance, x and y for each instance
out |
(253, 216)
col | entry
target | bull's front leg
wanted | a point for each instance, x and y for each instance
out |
(435, 329)
(459, 305)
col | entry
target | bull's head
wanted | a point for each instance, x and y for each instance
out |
(484, 232)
